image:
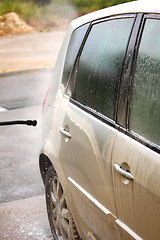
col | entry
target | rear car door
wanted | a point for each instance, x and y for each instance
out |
(89, 129)
(136, 159)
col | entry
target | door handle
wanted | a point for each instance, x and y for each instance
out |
(65, 133)
(122, 172)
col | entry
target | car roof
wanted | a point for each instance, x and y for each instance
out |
(141, 6)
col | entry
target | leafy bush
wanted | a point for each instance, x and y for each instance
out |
(45, 14)
(25, 8)
(91, 5)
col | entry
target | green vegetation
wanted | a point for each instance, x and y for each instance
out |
(85, 6)
(45, 14)
(25, 8)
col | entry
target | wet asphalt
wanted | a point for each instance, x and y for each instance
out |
(22, 203)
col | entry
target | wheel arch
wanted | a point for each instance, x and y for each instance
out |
(44, 164)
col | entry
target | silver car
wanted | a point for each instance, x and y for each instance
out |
(100, 159)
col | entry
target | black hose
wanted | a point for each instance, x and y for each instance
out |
(27, 122)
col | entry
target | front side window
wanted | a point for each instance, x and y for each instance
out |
(100, 65)
(145, 102)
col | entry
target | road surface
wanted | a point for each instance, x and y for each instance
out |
(22, 204)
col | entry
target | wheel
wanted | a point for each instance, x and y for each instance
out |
(60, 219)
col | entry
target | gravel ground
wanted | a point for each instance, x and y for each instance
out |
(24, 220)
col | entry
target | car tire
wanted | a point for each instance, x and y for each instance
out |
(60, 219)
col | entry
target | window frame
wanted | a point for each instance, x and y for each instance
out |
(72, 80)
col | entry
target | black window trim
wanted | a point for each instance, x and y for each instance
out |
(124, 87)
(95, 113)
(115, 125)
(140, 139)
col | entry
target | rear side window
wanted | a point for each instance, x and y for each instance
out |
(74, 46)
(145, 103)
(100, 65)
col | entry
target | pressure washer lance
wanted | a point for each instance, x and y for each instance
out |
(27, 122)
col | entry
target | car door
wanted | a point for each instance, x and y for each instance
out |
(136, 159)
(89, 129)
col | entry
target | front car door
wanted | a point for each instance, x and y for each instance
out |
(136, 159)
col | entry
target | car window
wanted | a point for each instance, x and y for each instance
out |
(145, 104)
(74, 45)
(100, 65)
